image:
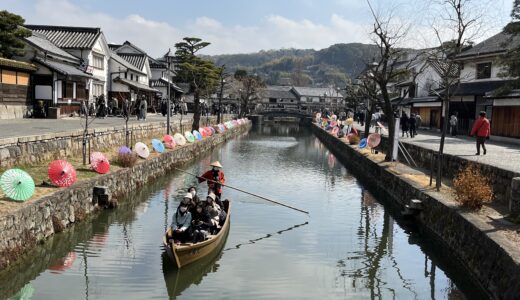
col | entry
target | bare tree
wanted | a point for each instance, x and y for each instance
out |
(249, 89)
(387, 36)
(365, 92)
(464, 25)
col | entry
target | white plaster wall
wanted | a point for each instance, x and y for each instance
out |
(469, 73)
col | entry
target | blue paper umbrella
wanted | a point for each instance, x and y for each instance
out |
(197, 135)
(158, 145)
(362, 143)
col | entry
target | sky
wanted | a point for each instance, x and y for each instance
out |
(245, 26)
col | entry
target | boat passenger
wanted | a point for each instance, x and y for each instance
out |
(215, 178)
(213, 210)
(193, 191)
(179, 230)
(201, 223)
(188, 201)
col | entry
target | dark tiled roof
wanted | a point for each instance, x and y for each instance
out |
(68, 37)
(114, 47)
(156, 64)
(479, 88)
(500, 42)
(425, 99)
(135, 59)
(280, 92)
(164, 83)
(125, 63)
(40, 41)
(62, 68)
(441, 67)
(316, 92)
(135, 84)
(16, 64)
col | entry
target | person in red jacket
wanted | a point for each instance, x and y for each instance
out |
(214, 175)
(482, 130)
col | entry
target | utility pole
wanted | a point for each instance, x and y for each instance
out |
(222, 82)
(168, 108)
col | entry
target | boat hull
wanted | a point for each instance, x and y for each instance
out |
(185, 254)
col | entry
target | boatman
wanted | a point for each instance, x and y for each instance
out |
(213, 176)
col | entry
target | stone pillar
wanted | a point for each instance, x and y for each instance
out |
(514, 203)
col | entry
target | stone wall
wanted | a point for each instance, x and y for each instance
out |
(21, 230)
(500, 179)
(41, 148)
(488, 258)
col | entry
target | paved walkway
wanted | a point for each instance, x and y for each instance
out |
(27, 127)
(502, 155)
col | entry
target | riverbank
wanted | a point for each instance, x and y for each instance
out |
(40, 218)
(486, 247)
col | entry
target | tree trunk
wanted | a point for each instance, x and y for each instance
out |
(368, 120)
(389, 113)
(445, 109)
(196, 111)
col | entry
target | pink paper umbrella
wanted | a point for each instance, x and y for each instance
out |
(61, 173)
(99, 163)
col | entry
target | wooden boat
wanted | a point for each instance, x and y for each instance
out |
(184, 254)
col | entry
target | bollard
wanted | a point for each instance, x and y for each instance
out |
(514, 202)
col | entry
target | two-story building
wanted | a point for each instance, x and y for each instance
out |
(131, 80)
(316, 99)
(162, 77)
(279, 97)
(480, 77)
(86, 43)
(60, 81)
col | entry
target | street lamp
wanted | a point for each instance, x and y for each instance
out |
(169, 57)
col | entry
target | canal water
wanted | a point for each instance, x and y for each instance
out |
(350, 247)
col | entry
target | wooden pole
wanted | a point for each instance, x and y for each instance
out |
(246, 192)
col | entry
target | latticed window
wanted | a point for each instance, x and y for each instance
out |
(98, 61)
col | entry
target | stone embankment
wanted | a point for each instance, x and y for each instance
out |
(33, 223)
(29, 150)
(476, 241)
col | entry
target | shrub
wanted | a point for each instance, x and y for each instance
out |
(472, 189)
(127, 160)
(353, 139)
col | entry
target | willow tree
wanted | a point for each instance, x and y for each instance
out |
(201, 75)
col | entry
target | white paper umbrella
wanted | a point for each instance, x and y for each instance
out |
(142, 150)
(179, 139)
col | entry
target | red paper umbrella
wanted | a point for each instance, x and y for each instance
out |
(99, 163)
(61, 173)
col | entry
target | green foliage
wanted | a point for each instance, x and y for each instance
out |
(201, 74)
(511, 59)
(240, 73)
(11, 34)
(329, 66)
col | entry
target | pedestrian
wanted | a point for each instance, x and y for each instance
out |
(418, 121)
(164, 107)
(84, 109)
(413, 123)
(362, 118)
(453, 123)
(405, 124)
(142, 109)
(482, 130)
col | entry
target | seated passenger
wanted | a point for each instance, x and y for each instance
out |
(179, 230)
(193, 191)
(213, 210)
(188, 201)
(201, 224)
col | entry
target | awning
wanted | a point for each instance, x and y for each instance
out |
(135, 84)
(479, 88)
(62, 68)
(425, 99)
(398, 101)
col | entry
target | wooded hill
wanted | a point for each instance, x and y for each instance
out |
(303, 67)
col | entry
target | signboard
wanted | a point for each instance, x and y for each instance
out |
(395, 150)
(43, 92)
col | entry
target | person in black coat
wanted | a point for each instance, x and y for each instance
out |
(405, 122)
(413, 125)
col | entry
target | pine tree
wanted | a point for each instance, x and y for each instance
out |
(511, 59)
(11, 32)
(201, 74)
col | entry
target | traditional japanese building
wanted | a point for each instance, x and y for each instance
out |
(89, 45)
(15, 93)
(130, 75)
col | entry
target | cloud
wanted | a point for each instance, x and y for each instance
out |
(272, 32)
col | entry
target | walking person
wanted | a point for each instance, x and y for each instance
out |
(413, 125)
(453, 123)
(482, 130)
(404, 124)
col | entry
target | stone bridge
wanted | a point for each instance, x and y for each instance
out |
(303, 115)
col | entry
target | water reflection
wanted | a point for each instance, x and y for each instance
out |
(351, 247)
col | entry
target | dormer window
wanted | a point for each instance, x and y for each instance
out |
(484, 70)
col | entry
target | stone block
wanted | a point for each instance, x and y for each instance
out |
(514, 200)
